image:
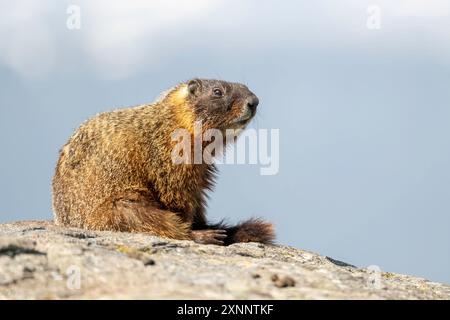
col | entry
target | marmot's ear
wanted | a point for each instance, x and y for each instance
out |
(194, 86)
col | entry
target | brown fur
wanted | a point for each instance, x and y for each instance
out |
(116, 171)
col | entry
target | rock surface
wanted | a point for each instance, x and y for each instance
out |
(39, 260)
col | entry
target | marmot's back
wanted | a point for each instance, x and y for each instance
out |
(103, 155)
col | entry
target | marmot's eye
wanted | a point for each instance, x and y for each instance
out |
(217, 92)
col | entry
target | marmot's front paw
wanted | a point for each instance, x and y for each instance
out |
(209, 236)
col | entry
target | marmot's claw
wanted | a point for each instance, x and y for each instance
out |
(209, 236)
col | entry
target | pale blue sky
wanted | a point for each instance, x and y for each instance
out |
(363, 114)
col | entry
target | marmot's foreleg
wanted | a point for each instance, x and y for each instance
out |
(252, 230)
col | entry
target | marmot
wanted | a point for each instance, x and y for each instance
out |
(116, 171)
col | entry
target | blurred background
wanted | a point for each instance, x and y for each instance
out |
(363, 108)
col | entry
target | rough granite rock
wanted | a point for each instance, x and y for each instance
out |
(39, 260)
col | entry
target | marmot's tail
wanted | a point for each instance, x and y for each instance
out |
(252, 230)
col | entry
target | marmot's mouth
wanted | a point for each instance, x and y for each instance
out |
(241, 122)
(243, 119)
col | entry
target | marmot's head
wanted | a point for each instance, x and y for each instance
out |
(220, 104)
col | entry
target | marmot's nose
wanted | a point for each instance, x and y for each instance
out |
(252, 103)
